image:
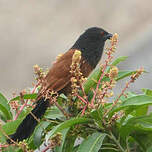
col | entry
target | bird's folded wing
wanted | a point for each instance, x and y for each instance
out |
(59, 74)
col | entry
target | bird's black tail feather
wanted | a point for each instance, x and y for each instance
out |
(27, 126)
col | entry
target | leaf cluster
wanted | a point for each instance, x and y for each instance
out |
(127, 127)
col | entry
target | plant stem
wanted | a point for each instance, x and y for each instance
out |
(25, 104)
(62, 110)
(101, 77)
(110, 148)
(116, 141)
(117, 100)
(128, 149)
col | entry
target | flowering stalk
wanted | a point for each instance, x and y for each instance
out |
(3, 132)
(25, 104)
(55, 141)
(132, 79)
(40, 79)
(114, 40)
(77, 78)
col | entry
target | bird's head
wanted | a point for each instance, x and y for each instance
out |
(91, 44)
(96, 34)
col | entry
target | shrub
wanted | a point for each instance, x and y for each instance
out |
(92, 113)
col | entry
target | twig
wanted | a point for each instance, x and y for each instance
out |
(105, 90)
(22, 97)
(110, 148)
(116, 141)
(111, 50)
(4, 133)
(4, 146)
(85, 102)
(20, 110)
(35, 117)
(133, 78)
(83, 91)
(25, 104)
(99, 81)
(84, 109)
(47, 148)
(62, 110)
(116, 101)
(82, 99)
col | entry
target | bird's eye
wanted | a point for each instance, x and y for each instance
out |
(102, 33)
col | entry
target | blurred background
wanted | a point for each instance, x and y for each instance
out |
(35, 32)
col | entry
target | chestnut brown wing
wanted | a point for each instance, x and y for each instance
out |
(58, 77)
(59, 74)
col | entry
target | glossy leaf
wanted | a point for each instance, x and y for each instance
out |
(132, 102)
(142, 123)
(10, 127)
(94, 77)
(26, 96)
(92, 80)
(38, 132)
(119, 59)
(92, 143)
(97, 114)
(67, 124)
(141, 111)
(5, 108)
(64, 136)
(53, 113)
(143, 139)
(124, 74)
(147, 92)
(149, 149)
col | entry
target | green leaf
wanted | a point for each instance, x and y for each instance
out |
(92, 143)
(26, 96)
(67, 124)
(63, 96)
(64, 133)
(94, 77)
(69, 143)
(124, 74)
(53, 113)
(75, 149)
(97, 115)
(92, 80)
(116, 62)
(142, 123)
(144, 139)
(119, 59)
(147, 92)
(2, 117)
(10, 127)
(142, 110)
(38, 132)
(132, 102)
(11, 149)
(149, 149)
(137, 101)
(5, 108)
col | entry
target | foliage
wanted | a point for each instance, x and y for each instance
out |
(91, 119)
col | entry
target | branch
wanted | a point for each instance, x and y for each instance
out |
(25, 104)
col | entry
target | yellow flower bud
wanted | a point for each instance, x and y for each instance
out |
(113, 72)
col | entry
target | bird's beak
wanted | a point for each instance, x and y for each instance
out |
(108, 36)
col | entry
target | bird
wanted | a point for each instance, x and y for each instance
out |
(91, 45)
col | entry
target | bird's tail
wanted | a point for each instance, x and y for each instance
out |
(27, 126)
